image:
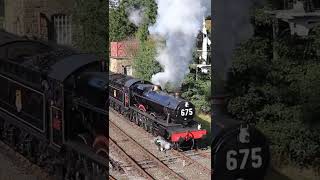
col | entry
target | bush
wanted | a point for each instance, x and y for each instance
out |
(281, 95)
(198, 92)
(144, 63)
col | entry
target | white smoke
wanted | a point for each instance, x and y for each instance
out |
(136, 15)
(178, 23)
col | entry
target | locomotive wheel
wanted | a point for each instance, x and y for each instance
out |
(154, 132)
(42, 154)
(12, 136)
(22, 142)
(75, 169)
(85, 138)
(137, 120)
(100, 146)
(134, 117)
(101, 151)
(69, 168)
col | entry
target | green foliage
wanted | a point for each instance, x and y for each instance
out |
(291, 139)
(120, 26)
(281, 95)
(90, 26)
(198, 92)
(150, 13)
(145, 64)
(310, 93)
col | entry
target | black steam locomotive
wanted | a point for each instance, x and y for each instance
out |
(155, 110)
(47, 112)
(239, 150)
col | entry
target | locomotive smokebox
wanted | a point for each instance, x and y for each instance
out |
(233, 140)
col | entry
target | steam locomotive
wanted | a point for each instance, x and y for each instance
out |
(159, 113)
(239, 150)
(46, 110)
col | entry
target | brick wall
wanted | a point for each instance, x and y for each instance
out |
(124, 49)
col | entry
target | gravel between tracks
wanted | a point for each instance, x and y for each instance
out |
(187, 170)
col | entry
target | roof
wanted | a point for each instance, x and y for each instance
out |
(66, 66)
(58, 62)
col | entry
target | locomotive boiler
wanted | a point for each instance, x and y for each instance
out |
(170, 108)
(156, 111)
(45, 115)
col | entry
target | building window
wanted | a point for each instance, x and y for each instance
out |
(63, 29)
(128, 70)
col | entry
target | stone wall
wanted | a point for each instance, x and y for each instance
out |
(117, 64)
(23, 17)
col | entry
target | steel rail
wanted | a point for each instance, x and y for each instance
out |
(123, 154)
(152, 157)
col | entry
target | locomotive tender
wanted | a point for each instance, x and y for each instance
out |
(156, 111)
(46, 111)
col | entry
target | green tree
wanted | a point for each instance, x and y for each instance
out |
(145, 64)
(280, 95)
(150, 13)
(198, 92)
(120, 26)
(91, 26)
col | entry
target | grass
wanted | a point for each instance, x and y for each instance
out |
(205, 121)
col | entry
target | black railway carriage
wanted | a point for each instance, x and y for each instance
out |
(44, 113)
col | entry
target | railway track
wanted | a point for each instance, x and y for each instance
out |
(165, 170)
(172, 157)
(113, 145)
(191, 161)
(111, 178)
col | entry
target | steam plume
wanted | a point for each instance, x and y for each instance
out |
(231, 25)
(178, 23)
(136, 15)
